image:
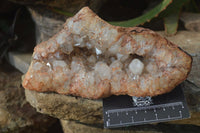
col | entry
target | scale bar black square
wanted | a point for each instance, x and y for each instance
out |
(119, 111)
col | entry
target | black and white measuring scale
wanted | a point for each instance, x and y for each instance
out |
(122, 111)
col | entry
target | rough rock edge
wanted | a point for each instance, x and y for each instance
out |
(107, 91)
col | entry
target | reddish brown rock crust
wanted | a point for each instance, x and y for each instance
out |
(91, 58)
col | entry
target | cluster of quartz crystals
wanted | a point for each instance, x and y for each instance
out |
(93, 59)
(81, 61)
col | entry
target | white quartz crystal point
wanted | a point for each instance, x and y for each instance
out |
(103, 70)
(136, 66)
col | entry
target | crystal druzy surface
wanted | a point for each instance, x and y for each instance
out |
(93, 59)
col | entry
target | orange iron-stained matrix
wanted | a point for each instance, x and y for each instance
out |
(93, 59)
